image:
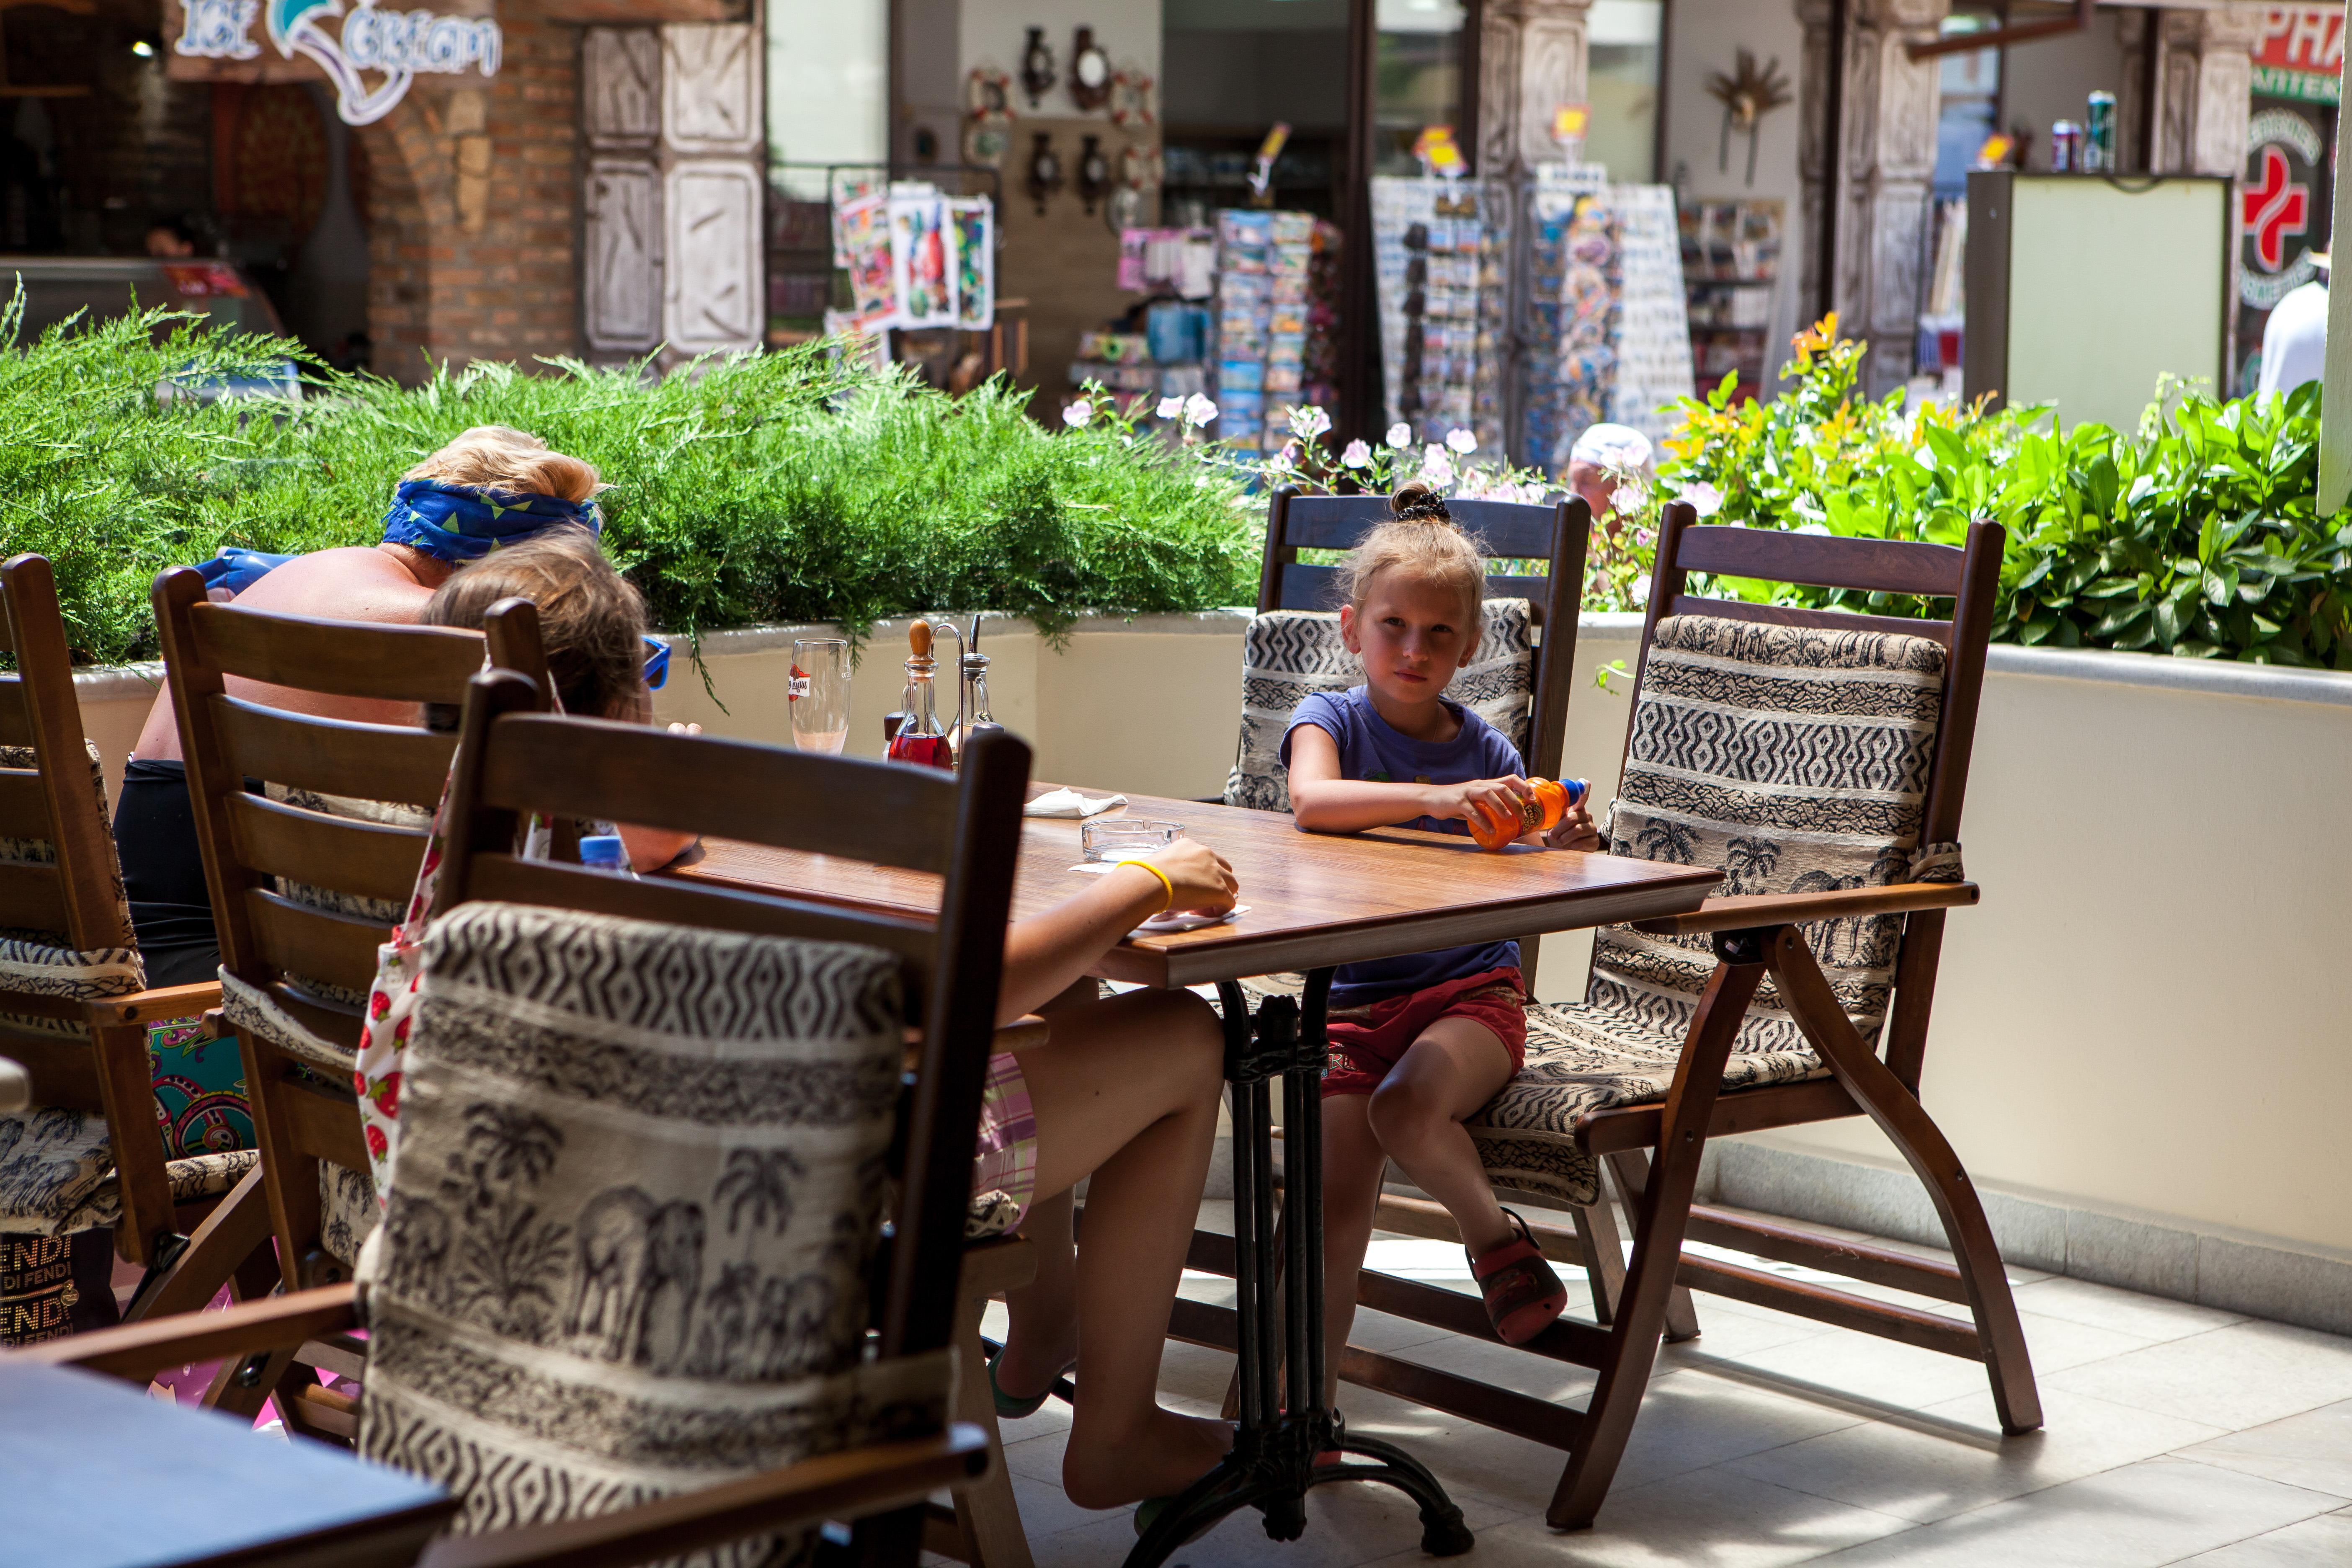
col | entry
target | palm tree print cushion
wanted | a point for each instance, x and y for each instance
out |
(642, 1171)
(1795, 760)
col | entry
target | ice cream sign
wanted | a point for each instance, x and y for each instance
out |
(351, 45)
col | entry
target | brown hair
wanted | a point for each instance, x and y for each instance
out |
(1425, 541)
(591, 620)
(500, 458)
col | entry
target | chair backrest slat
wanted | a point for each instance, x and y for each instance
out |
(24, 805)
(889, 812)
(313, 944)
(332, 756)
(15, 721)
(373, 861)
(1824, 560)
(32, 897)
(342, 658)
(1797, 615)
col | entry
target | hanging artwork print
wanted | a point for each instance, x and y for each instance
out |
(394, 47)
(866, 245)
(972, 225)
(918, 262)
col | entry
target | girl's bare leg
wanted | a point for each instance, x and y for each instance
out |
(1044, 1335)
(1127, 1089)
(1353, 1164)
(1417, 1112)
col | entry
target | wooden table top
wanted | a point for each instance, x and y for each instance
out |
(1314, 899)
(101, 1476)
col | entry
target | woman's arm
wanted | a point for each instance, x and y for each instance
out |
(1044, 953)
(1323, 802)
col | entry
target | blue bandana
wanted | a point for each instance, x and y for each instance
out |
(462, 522)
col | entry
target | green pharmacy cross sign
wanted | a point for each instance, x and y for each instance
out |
(350, 45)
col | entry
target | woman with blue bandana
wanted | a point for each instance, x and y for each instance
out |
(491, 487)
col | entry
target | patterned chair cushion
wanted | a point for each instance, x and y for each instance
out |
(1794, 759)
(57, 1174)
(639, 1181)
(40, 962)
(1289, 655)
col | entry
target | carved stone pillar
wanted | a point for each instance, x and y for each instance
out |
(1885, 165)
(2205, 85)
(675, 189)
(1531, 61)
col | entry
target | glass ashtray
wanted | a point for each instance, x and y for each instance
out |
(1126, 835)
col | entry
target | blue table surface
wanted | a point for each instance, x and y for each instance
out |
(94, 1473)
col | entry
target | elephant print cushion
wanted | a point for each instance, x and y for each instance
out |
(641, 1176)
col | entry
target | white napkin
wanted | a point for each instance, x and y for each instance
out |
(1174, 920)
(1069, 803)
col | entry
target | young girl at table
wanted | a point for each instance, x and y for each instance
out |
(1124, 1089)
(1419, 1043)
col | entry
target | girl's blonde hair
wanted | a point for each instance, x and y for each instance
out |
(591, 620)
(1423, 541)
(499, 457)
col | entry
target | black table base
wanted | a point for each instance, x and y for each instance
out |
(1273, 1462)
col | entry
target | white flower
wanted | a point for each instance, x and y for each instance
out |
(1462, 440)
(1399, 435)
(1704, 498)
(1629, 497)
(1309, 421)
(1642, 589)
(1281, 463)
(1077, 414)
(1357, 455)
(1199, 409)
(1436, 467)
(1169, 407)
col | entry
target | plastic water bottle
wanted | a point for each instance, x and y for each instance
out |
(1539, 811)
(605, 852)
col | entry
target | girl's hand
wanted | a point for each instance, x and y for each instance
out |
(1463, 802)
(1202, 877)
(1574, 830)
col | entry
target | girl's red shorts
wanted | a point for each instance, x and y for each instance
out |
(1366, 1042)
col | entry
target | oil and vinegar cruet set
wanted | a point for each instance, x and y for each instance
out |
(914, 732)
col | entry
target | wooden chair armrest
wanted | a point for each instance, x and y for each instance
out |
(1742, 913)
(138, 1351)
(168, 1001)
(847, 1485)
(1023, 1032)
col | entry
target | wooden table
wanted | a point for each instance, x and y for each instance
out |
(99, 1475)
(1315, 902)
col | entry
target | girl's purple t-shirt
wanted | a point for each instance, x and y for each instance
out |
(1370, 750)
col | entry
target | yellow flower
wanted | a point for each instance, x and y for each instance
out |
(1822, 335)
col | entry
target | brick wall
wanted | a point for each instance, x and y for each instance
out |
(475, 211)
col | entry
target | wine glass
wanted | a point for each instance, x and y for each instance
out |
(819, 694)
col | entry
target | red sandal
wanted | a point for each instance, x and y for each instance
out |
(1523, 1295)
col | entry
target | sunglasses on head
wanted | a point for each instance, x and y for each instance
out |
(657, 663)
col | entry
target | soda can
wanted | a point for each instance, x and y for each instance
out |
(2065, 147)
(2099, 135)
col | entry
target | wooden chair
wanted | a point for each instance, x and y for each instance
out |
(514, 761)
(74, 1010)
(1770, 1038)
(306, 881)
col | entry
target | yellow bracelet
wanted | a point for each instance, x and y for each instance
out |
(1156, 872)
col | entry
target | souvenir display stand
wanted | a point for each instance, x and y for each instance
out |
(1275, 312)
(1731, 255)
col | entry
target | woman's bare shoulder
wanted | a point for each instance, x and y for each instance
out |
(358, 584)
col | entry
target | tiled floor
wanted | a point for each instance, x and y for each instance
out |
(2174, 1434)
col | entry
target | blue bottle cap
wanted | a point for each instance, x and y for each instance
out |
(604, 851)
(1577, 790)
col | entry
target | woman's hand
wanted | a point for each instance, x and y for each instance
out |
(1574, 830)
(1497, 798)
(1202, 877)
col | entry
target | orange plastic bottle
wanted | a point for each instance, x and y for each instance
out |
(1537, 814)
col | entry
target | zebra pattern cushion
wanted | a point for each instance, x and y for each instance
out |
(1794, 759)
(640, 1178)
(58, 1178)
(1289, 655)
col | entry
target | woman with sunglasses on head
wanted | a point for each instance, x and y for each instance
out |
(490, 489)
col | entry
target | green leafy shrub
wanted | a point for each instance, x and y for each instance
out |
(784, 487)
(2198, 534)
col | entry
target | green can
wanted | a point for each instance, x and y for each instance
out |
(2099, 135)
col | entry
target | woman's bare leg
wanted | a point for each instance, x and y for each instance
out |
(1353, 1164)
(1126, 1089)
(1455, 1067)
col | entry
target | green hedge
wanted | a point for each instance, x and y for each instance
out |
(782, 487)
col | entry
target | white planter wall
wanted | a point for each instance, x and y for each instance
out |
(2140, 1035)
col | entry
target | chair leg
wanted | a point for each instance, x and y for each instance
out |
(1900, 1115)
(1632, 1172)
(1658, 1220)
(237, 1229)
(987, 1516)
(1604, 1251)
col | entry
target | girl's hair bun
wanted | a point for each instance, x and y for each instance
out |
(1418, 501)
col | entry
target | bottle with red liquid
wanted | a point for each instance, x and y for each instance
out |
(921, 737)
(1538, 812)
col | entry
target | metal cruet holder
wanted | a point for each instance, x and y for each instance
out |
(972, 692)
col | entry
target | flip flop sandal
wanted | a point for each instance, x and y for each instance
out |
(1011, 1409)
(1523, 1295)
